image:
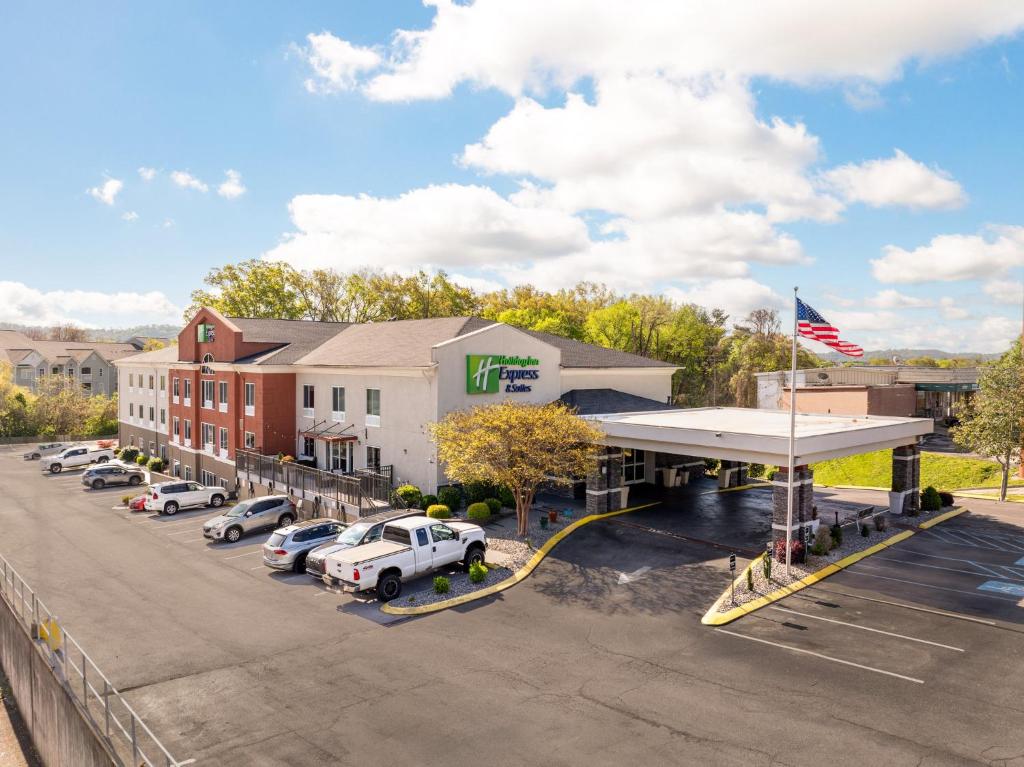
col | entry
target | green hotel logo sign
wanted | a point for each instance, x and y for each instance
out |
(493, 373)
(204, 333)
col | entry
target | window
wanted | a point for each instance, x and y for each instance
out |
(55, 370)
(131, 379)
(86, 370)
(205, 369)
(101, 373)
(71, 372)
(176, 469)
(175, 385)
(151, 415)
(338, 403)
(163, 383)
(373, 407)
(441, 533)
(373, 458)
(633, 466)
(163, 417)
(188, 430)
(207, 387)
(222, 396)
(188, 391)
(250, 440)
(340, 456)
(309, 447)
(223, 439)
(86, 386)
(209, 434)
(207, 478)
(421, 537)
(42, 371)
(175, 426)
(188, 472)
(131, 440)
(131, 409)
(152, 448)
(250, 399)
(308, 400)
(152, 383)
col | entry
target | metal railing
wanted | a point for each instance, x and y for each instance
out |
(368, 490)
(99, 701)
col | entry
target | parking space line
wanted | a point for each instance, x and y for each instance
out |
(928, 585)
(948, 569)
(964, 540)
(185, 532)
(821, 655)
(244, 554)
(258, 567)
(916, 608)
(988, 568)
(191, 540)
(866, 628)
(991, 541)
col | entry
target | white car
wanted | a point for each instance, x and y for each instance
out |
(47, 449)
(169, 497)
(408, 547)
(74, 457)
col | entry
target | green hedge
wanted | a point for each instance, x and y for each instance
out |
(478, 512)
(411, 495)
(493, 504)
(450, 496)
(439, 511)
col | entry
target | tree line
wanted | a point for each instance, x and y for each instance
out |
(717, 364)
(58, 407)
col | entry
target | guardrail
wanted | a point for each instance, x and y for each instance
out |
(112, 718)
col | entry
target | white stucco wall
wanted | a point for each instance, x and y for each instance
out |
(142, 396)
(653, 383)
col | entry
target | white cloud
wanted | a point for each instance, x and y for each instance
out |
(736, 296)
(951, 257)
(147, 174)
(107, 191)
(898, 180)
(863, 96)
(187, 181)
(232, 186)
(20, 303)
(479, 284)
(336, 63)
(952, 310)
(1005, 291)
(891, 299)
(129, 215)
(497, 44)
(168, 223)
(860, 321)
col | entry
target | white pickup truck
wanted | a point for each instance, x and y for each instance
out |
(75, 457)
(407, 548)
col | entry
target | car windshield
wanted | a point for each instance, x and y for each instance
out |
(239, 510)
(354, 534)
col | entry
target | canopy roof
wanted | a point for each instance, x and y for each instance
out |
(758, 436)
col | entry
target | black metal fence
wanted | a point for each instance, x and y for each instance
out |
(368, 490)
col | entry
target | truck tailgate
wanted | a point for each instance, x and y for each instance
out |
(341, 564)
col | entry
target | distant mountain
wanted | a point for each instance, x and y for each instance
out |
(908, 354)
(106, 334)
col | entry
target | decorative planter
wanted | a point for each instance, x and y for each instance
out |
(552, 516)
(625, 496)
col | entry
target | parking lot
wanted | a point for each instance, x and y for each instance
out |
(599, 658)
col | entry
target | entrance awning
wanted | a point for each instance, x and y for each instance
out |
(330, 437)
(329, 431)
(758, 436)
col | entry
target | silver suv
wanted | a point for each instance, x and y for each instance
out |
(354, 535)
(247, 516)
(287, 547)
(100, 477)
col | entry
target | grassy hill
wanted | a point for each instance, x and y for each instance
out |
(944, 472)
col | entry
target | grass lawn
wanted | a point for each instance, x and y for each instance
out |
(944, 472)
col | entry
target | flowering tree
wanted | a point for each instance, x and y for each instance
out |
(520, 446)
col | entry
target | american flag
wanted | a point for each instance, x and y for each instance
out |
(810, 324)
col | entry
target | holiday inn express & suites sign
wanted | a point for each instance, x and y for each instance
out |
(493, 373)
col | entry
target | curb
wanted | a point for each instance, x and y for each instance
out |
(519, 575)
(982, 497)
(854, 487)
(734, 489)
(714, 618)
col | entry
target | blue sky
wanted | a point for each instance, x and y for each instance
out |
(703, 155)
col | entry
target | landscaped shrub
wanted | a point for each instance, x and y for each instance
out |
(439, 511)
(288, 459)
(711, 465)
(881, 522)
(450, 496)
(796, 551)
(442, 585)
(493, 504)
(155, 464)
(129, 454)
(478, 491)
(508, 500)
(822, 541)
(930, 500)
(428, 501)
(117, 452)
(142, 459)
(750, 579)
(756, 469)
(837, 535)
(478, 512)
(126, 499)
(946, 498)
(411, 495)
(766, 566)
(477, 572)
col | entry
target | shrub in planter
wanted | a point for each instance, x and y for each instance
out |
(711, 465)
(439, 511)
(508, 500)
(155, 464)
(930, 500)
(796, 551)
(478, 491)
(881, 522)
(477, 572)
(493, 504)
(126, 499)
(478, 512)
(837, 536)
(129, 454)
(442, 585)
(946, 498)
(411, 495)
(427, 501)
(823, 540)
(288, 459)
(750, 579)
(450, 496)
(142, 459)
(766, 567)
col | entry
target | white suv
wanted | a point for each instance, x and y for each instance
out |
(169, 497)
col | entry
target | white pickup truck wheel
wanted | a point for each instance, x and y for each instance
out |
(474, 556)
(389, 587)
(217, 501)
(102, 459)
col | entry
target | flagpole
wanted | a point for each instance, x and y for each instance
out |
(792, 441)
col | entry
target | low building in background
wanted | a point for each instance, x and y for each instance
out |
(871, 390)
(90, 364)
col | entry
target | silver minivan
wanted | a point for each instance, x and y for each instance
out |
(287, 547)
(248, 516)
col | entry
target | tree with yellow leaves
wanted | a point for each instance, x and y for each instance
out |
(520, 446)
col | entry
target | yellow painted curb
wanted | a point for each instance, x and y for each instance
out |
(941, 518)
(854, 487)
(993, 497)
(733, 489)
(519, 575)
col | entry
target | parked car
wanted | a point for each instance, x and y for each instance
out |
(407, 548)
(169, 497)
(353, 535)
(73, 457)
(99, 477)
(46, 448)
(138, 503)
(248, 516)
(287, 547)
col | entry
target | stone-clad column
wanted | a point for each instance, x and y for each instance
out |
(906, 479)
(730, 474)
(803, 501)
(604, 482)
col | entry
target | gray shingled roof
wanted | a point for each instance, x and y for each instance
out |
(576, 354)
(296, 337)
(403, 343)
(167, 353)
(598, 401)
